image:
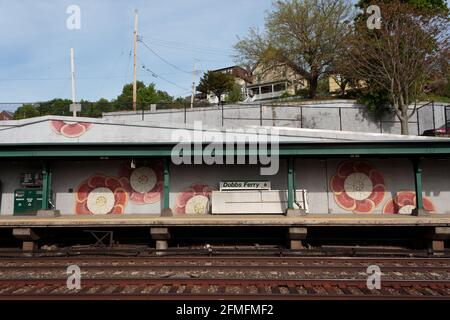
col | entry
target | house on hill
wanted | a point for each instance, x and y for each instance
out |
(242, 78)
(270, 83)
(6, 115)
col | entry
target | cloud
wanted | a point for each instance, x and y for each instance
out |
(35, 44)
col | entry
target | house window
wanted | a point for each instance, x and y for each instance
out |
(279, 87)
(266, 89)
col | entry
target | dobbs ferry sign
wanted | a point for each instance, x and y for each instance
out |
(244, 185)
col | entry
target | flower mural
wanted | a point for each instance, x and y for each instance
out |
(404, 203)
(144, 183)
(101, 195)
(195, 199)
(70, 129)
(357, 187)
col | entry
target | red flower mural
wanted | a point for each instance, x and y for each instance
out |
(404, 202)
(144, 184)
(101, 195)
(70, 129)
(357, 187)
(195, 199)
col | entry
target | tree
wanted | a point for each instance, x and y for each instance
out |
(57, 107)
(399, 57)
(432, 5)
(235, 94)
(302, 34)
(95, 109)
(217, 83)
(25, 111)
(146, 95)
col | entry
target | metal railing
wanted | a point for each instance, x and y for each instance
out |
(300, 119)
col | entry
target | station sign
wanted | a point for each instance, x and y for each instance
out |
(244, 185)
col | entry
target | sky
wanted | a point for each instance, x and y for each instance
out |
(35, 44)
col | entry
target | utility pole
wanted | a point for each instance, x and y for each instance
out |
(135, 52)
(193, 87)
(74, 107)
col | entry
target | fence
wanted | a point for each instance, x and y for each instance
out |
(431, 118)
(349, 118)
(331, 115)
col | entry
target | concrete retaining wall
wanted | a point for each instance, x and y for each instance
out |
(344, 115)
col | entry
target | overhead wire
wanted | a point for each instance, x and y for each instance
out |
(160, 57)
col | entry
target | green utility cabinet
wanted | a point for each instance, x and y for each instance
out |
(27, 201)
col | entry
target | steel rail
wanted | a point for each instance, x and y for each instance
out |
(428, 289)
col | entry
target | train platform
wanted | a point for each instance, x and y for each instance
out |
(132, 220)
(29, 228)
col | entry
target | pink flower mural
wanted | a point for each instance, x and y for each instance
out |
(357, 187)
(70, 129)
(195, 199)
(144, 183)
(101, 195)
(404, 202)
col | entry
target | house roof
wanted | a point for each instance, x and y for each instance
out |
(6, 114)
(75, 133)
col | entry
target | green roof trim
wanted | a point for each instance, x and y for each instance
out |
(145, 150)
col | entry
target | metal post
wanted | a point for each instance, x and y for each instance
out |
(291, 178)
(45, 186)
(418, 183)
(222, 114)
(446, 120)
(185, 107)
(166, 183)
(434, 120)
(301, 116)
(418, 122)
(340, 119)
(260, 115)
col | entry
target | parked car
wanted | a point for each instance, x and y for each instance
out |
(443, 131)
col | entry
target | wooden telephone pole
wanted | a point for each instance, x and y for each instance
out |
(135, 52)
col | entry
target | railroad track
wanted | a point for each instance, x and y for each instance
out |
(225, 277)
(205, 261)
(222, 289)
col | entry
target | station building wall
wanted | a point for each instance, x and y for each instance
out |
(336, 186)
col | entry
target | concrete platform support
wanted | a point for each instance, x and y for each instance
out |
(48, 213)
(295, 212)
(29, 239)
(295, 237)
(437, 237)
(161, 235)
(419, 210)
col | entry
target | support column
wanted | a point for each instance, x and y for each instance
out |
(291, 210)
(419, 210)
(436, 239)
(46, 210)
(45, 186)
(29, 239)
(291, 178)
(166, 211)
(161, 235)
(295, 237)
